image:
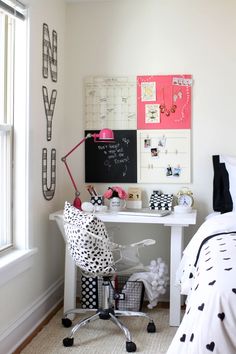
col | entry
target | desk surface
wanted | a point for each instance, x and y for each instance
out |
(168, 220)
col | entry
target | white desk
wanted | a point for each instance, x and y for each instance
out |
(176, 222)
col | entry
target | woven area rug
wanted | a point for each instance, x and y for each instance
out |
(101, 337)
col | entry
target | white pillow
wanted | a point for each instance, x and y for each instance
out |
(230, 164)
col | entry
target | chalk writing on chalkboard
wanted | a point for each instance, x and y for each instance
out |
(112, 162)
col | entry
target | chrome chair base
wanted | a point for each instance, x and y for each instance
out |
(107, 312)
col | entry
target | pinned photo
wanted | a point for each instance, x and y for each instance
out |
(162, 142)
(154, 152)
(152, 113)
(176, 171)
(148, 91)
(169, 171)
(147, 143)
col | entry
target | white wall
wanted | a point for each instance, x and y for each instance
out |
(42, 231)
(137, 37)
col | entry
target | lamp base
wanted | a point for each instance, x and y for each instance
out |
(77, 203)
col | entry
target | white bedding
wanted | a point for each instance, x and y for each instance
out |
(209, 323)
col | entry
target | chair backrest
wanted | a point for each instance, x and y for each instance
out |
(88, 242)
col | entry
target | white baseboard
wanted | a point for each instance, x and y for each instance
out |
(30, 318)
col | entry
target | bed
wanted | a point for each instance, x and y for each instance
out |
(207, 274)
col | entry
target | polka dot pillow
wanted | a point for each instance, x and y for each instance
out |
(91, 254)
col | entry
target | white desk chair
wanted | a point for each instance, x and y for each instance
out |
(93, 253)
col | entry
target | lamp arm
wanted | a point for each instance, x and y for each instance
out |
(63, 159)
(105, 135)
(71, 177)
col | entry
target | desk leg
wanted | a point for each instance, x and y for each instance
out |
(69, 283)
(175, 258)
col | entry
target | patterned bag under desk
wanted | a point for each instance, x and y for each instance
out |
(91, 292)
(160, 201)
(126, 295)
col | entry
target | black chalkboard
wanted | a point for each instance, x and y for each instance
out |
(112, 162)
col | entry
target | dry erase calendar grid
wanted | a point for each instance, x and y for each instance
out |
(110, 102)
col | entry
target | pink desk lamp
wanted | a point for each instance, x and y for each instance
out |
(105, 135)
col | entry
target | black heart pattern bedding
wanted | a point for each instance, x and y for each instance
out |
(209, 323)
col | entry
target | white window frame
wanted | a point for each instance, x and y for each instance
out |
(6, 129)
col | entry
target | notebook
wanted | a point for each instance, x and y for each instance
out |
(144, 212)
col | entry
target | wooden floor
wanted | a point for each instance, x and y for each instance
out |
(38, 329)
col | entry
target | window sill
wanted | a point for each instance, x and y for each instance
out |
(15, 262)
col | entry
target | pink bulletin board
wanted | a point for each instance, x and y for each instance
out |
(164, 102)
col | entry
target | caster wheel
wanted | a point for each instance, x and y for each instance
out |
(130, 347)
(151, 328)
(68, 342)
(66, 322)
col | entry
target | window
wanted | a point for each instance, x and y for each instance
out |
(12, 41)
(16, 255)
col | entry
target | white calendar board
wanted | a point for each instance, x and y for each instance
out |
(164, 156)
(110, 102)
